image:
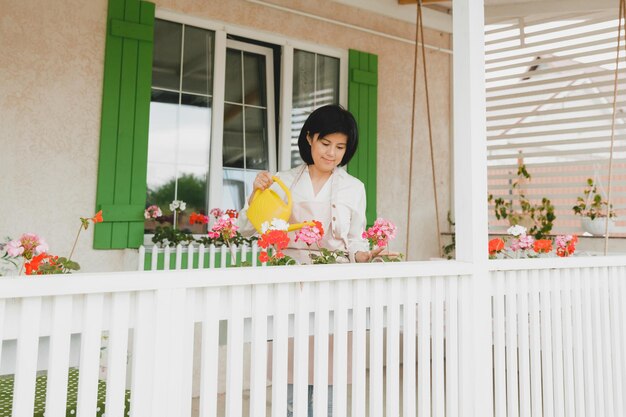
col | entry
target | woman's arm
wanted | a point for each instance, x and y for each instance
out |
(356, 244)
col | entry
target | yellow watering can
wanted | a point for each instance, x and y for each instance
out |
(268, 205)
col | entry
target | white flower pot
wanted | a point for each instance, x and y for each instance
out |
(597, 226)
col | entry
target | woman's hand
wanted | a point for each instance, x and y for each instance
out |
(367, 256)
(262, 182)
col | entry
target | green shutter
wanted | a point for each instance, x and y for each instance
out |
(121, 193)
(363, 104)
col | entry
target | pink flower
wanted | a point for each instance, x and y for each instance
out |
(152, 212)
(380, 233)
(14, 248)
(216, 212)
(32, 245)
(224, 226)
(310, 234)
(523, 242)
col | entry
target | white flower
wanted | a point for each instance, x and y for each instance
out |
(276, 224)
(178, 205)
(174, 205)
(516, 230)
(182, 205)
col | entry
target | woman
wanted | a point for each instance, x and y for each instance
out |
(322, 190)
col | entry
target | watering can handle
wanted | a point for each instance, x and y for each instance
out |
(285, 189)
(283, 186)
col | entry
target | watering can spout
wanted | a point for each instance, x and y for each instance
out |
(267, 205)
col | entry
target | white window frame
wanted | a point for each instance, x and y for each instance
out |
(288, 45)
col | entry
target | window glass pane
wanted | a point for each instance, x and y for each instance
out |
(256, 139)
(166, 56)
(254, 79)
(197, 61)
(232, 88)
(315, 84)
(232, 150)
(163, 135)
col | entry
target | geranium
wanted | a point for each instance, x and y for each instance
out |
(232, 213)
(152, 212)
(565, 245)
(275, 224)
(516, 230)
(196, 218)
(274, 241)
(27, 246)
(380, 233)
(542, 246)
(496, 246)
(225, 227)
(310, 234)
(522, 243)
(216, 213)
(178, 205)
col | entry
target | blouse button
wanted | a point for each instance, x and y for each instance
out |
(334, 219)
(334, 206)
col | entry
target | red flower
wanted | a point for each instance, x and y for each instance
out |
(32, 266)
(495, 245)
(98, 217)
(198, 218)
(233, 214)
(263, 257)
(542, 246)
(279, 255)
(320, 227)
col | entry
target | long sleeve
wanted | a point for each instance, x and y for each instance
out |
(358, 223)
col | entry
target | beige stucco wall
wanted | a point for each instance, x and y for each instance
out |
(50, 98)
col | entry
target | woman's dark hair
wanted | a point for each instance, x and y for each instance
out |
(328, 120)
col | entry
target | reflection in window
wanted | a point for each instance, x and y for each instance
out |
(315, 84)
(180, 120)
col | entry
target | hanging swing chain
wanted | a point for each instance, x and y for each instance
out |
(419, 31)
(622, 15)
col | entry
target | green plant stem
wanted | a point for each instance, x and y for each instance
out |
(75, 242)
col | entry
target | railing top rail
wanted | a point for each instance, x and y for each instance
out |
(556, 263)
(152, 280)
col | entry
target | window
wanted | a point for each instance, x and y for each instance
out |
(213, 112)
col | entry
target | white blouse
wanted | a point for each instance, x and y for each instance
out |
(339, 206)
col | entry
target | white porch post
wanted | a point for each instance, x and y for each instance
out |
(470, 196)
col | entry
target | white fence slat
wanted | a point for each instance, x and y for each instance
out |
(179, 257)
(557, 343)
(376, 347)
(568, 348)
(26, 360)
(409, 358)
(534, 335)
(223, 253)
(258, 366)
(187, 340)
(280, 350)
(438, 393)
(190, 252)
(143, 354)
(577, 342)
(255, 254)
(523, 344)
(211, 256)
(320, 371)
(301, 350)
(165, 313)
(234, 356)
(452, 353)
(607, 363)
(166, 258)
(359, 291)
(393, 349)
(423, 349)
(90, 354)
(155, 258)
(621, 304)
(201, 256)
(340, 348)
(466, 391)
(546, 345)
(210, 351)
(588, 355)
(499, 345)
(117, 351)
(616, 340)
(511, 343)
(244, 252)
(596, 320)
(59, 355)
(141, 259)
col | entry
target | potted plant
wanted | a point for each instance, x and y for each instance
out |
(538, 218)
(593, 209)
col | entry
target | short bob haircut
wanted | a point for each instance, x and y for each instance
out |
(327, 120)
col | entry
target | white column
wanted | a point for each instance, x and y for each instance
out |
(470, 196)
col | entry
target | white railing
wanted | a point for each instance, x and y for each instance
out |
(194, 256)
(231, 342)
(238, 311)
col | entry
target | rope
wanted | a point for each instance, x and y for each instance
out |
(622, 15)
(419, 31)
